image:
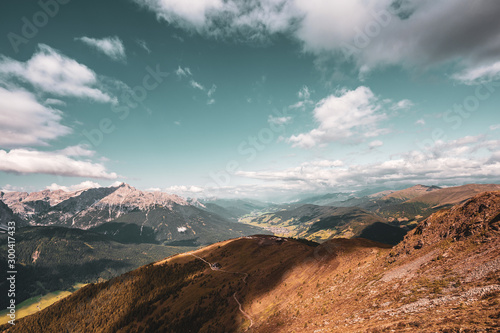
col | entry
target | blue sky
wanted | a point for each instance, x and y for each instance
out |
(264, 98)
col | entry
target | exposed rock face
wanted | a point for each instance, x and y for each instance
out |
(479, 216)
(59, 207)
(7, 215)
(27, 204)
(169, 217)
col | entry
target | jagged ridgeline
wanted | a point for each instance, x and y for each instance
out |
(127, 215)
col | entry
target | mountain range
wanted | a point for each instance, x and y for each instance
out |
(172, 220)
(386, 214)
(444, 276)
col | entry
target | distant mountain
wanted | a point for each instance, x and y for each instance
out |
(55, 258)
(325, 199)
(26, 205)
(443, 277)
(454, 195)
(170, 218)
(234, 208)
(7, 215)
(410, 193)
(429, 201)
(320, 223)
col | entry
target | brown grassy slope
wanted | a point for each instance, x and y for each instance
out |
(445, 276)
(410, 193)
(182, 294)
(454, 195)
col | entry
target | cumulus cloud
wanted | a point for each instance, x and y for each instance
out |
(371, 33)
(110, 46)
(251, 19)
(464, 160)
(72, 188)
(51, 72)
(24, 161)
(78, 150)
(342, 116)
(26, 122)
(185, 191)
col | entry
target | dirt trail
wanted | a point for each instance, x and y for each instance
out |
(241, 310)
(214, 268)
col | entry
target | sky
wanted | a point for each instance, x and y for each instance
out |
(261, 98)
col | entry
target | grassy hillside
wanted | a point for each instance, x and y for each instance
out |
(55, 258)
(444, 277)
(320, 223)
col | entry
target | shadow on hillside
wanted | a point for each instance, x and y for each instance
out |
(188, 297)
(34, 281)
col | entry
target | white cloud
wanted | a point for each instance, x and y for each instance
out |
(72, 188)
(304, 93)
(479, 74)
(371, 33)
(154, 189)
(404, 104)
(465, 160)
(196, 85)
(344, 115)
(218, 17)
(54, 101)
(210, 93)
(24, 161)
(278, 120)
(375, 144)
(25, 122)
(301, 104)
(11, 188)
(185, 191)
(78, 150)
(144, 45)
(183, 72)
(110, 46)
(494, 127)
(54, 73)
(212, 90)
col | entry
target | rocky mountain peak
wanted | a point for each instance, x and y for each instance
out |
(477, 219)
